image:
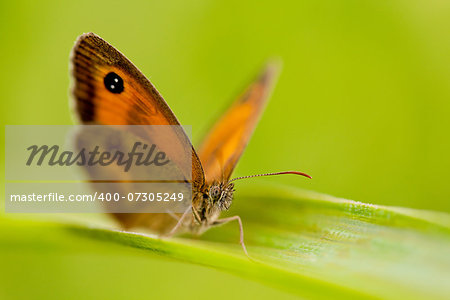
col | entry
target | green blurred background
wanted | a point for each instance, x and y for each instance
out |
(362, 104)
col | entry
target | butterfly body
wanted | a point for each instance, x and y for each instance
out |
(207, 205)
(110, 90)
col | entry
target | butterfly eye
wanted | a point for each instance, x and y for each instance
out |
(113, 83)
(215, 192)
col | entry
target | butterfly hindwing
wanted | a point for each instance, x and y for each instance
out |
(226, 141)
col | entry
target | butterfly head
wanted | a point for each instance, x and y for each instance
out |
(221, 195)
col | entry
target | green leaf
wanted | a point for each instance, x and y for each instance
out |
(304, 243)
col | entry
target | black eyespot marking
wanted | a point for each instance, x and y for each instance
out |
(113, 83)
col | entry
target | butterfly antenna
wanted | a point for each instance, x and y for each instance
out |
(270, 174)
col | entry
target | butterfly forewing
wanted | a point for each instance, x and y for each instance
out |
(110, 90)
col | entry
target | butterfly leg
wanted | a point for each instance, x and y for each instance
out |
(241, 229)
(174, 216)
(179, 223)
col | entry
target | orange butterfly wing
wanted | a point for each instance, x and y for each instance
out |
(138, 104)
(226, 141)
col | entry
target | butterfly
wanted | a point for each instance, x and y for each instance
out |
(109, 90)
